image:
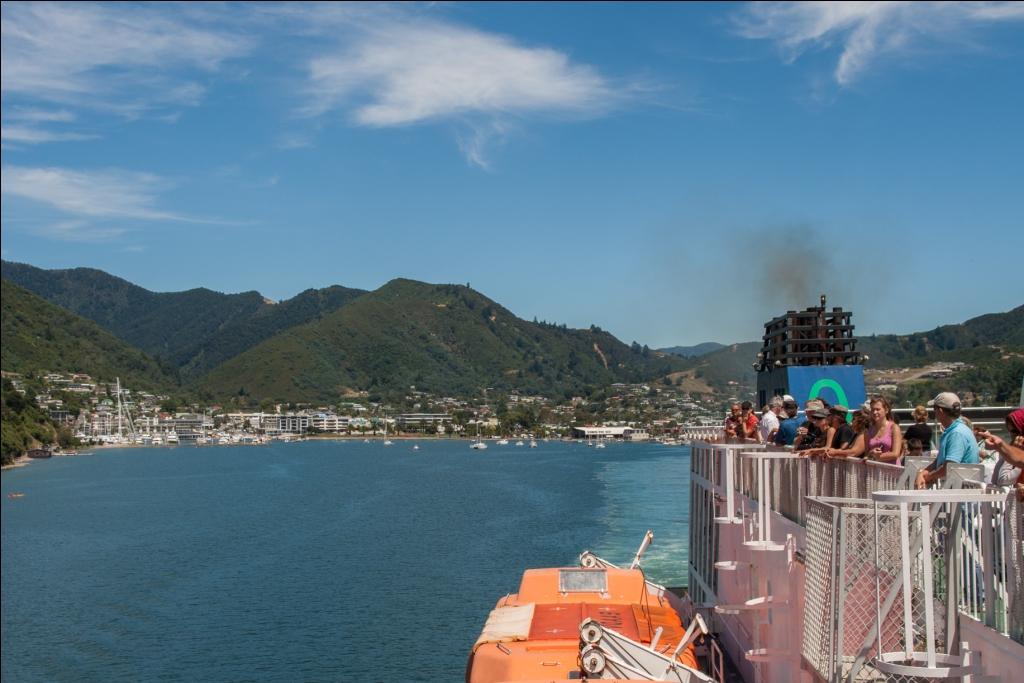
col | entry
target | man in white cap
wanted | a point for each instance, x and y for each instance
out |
(957, 443)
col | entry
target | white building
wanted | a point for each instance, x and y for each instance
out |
(624, 433)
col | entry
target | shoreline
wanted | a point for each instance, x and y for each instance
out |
(20, 461)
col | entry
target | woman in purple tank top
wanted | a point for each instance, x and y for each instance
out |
(884, 439)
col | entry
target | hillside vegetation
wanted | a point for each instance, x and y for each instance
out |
(37, 335)
(693, 351)
(993, 344)
(194, 330)
(446, 339)
(969, 341)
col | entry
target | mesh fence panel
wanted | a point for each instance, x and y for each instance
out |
(819, 609)
(1014, 530)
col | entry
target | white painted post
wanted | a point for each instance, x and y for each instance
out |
(908, 614)
(929, 590)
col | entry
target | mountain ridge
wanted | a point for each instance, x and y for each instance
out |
(194, 330)
(37, 335)
(447, 339)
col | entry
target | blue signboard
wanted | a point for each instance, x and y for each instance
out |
(837, 384)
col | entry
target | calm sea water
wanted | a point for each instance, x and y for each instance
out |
(314, 561)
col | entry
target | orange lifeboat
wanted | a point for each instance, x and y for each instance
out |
(590, 622)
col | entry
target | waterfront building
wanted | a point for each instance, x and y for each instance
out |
(329, 422)
(623, 433)
(414, 421)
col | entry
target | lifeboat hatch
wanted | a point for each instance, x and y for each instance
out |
(582, 581)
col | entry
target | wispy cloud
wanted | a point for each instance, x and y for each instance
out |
(77, 230)
(39, 115)
(400, 73)
(866, 31)
(31, 135)
(92, 205)
(96, 194)
(110, 57)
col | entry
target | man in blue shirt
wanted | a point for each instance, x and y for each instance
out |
(787, 428)
(957, 443)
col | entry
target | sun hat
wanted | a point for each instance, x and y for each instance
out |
(947, 400)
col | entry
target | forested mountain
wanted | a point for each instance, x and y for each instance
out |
(194, 330)
(37, 335)
(948, 342)
(446, 339)
(693, 351)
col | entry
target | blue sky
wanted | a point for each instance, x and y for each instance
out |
(671, 173)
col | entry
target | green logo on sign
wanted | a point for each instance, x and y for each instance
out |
(840, 393)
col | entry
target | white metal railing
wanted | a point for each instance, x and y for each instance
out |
(984, 541)
(917, 601)
(990, 577)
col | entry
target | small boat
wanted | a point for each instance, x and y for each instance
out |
(520, 443)
(16, 494)
(503, 442)
(387, 442)
(416, 447)
(593, 621)
(533, 444)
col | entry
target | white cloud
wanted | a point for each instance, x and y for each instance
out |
(398, 73)
(95, 205)
(76, 230)
(39, 115)
(96, 194)
(31, 135)
(109, 56)
(866, 30)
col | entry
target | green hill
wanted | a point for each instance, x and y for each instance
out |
(446, 339)
(24, 425)
(716, 369)
(194, 330)
(993, 344)
(37, 335)
(968, 341)
(693, 351)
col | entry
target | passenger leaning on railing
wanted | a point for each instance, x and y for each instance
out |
(1008, 468)
(848, 440)
(812, 434)
(956, 445)
(789, 426)
(884, 440)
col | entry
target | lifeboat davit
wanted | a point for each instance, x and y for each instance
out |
(596, 621)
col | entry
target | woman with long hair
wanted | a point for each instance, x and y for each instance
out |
(884, 439)
(856, 448)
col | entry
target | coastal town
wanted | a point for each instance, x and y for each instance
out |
(110, 413)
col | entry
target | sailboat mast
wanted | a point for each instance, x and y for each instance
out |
(120, 409)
